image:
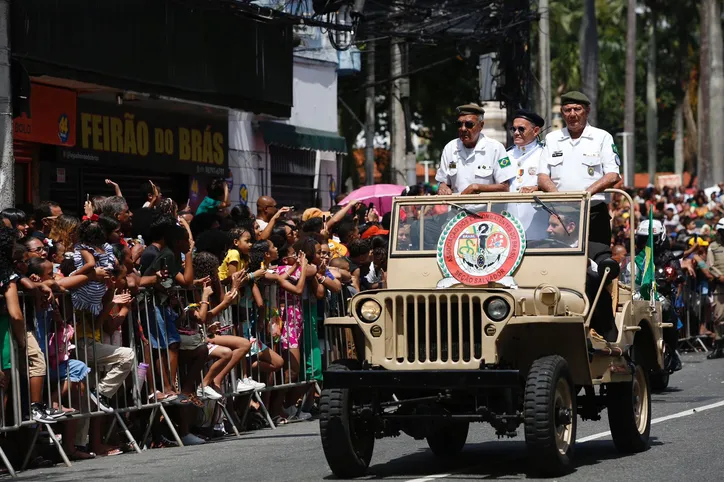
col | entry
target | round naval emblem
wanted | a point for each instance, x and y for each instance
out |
(476, 250)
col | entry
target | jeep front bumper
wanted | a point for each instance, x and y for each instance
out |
(423, 379)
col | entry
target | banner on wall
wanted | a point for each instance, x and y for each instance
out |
(51, 118)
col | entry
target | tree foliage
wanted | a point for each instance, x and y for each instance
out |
(452, 77)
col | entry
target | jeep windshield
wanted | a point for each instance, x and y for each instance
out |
(550, 225)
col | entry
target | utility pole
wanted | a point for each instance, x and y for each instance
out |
(544, 65)
(7, 162)
(626, 160)
(652, 119)
(629, 116)
(396, 115)
(370, 116)
(410, 160)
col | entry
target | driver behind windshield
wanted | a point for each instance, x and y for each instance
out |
(564, 227)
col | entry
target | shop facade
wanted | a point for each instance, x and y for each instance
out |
(174, 145)
(152, 102)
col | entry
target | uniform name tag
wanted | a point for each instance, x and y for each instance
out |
(557, 154)
(453, 165)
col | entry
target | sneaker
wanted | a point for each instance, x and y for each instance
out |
(301, 416)
(191, 439)
(55, 413)
(101, 402)
(38, 413)
(242, 387)
(208, 392)
(255, 384)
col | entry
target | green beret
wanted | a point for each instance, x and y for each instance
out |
(568, 211)
(468, 109)
(575, 97)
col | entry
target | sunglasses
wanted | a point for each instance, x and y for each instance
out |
(467, 124)
(37, 250)
(517, 129)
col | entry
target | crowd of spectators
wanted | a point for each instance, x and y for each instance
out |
(208, 303)
(690, 218)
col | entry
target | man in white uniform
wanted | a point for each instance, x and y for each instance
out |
(525, 156)
(580, 157)
(473, 163)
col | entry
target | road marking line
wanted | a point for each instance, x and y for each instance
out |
(673, 416)
(685, 413)
(430, 478)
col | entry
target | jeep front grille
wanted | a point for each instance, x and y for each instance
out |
(434, 328)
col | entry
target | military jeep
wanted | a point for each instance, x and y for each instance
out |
(496, 310)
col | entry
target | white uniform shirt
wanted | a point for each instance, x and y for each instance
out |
(575, 164)
(526, 160)
(486, 164)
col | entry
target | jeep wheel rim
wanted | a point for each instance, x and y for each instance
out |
(563, 413)
(640, 394)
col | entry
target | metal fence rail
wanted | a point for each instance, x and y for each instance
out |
(274, 348)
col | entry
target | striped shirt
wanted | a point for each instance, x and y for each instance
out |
(90, 296)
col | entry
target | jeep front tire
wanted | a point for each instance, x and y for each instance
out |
(347, 441)
(550, 416)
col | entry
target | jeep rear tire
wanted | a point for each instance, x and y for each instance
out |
(447, 439)
(550, 416)
(629, 412)
(347, 441)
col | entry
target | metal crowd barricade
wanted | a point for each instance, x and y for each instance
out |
(694, 311)
(286, 355)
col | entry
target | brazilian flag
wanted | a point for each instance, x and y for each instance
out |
(645, 270)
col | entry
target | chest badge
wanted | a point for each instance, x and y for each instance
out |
(591, 170)
(453, 165)
(532, 171)
(557, 154)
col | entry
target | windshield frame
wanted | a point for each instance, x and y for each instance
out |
(489, 200)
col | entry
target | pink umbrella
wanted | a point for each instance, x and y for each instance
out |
(379, 194)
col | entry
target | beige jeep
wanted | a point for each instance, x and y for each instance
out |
(497, 310)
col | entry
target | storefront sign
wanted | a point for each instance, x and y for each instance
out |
(150, 139)
(51, 119)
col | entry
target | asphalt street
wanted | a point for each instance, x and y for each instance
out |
(687, 435)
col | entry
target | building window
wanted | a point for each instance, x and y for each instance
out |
(292, 176)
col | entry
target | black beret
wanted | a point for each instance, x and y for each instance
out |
(529, 116)
(468, 109)
(575, 97)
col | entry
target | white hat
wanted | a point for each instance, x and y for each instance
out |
(720, 224)
(658, 230)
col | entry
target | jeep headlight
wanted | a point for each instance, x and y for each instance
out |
(370, 311)
(497, 309)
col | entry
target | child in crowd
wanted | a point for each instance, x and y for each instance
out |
(216, 199)
(90, 257)
(229, 350)
(237, 257)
